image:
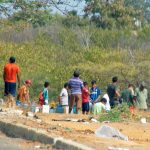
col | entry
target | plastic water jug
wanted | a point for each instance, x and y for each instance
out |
(59, 109)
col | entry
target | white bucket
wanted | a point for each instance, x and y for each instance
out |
(37, 109)
(45, 109)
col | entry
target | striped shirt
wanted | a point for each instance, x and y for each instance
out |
(76, 85)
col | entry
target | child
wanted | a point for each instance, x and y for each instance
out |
(63, 98)
(23, 95)
(45, 93)
(100, 106)
(85, 99)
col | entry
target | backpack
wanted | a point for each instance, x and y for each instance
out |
(41, 98)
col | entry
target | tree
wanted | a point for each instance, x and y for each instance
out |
(143, 6)
(37, 12)
(111, 13)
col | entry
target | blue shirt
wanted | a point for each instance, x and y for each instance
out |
(94, 93)
(76, 85)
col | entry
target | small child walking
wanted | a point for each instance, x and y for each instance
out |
(45, 93)
(85, 99)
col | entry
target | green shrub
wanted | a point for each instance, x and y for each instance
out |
(116, 114)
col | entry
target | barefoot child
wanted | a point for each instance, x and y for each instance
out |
(85, 99)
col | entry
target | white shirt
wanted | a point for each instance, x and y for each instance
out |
(64, 97)
(107, 104)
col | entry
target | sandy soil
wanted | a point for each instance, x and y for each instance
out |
(138, 133)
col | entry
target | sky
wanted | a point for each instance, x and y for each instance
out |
(79, 8)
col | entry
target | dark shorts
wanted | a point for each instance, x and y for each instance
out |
(85, 107)
(10, 88)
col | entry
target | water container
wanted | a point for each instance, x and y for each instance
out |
(74, 109)
(18, 103)
(33, 106)
(59, 109)
(45, 109)
(52, 110)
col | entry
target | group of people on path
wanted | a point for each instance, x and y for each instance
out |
(93, 100)
(76, 93)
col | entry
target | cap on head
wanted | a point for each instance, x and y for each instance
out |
(28, 81)
(76, 73)
(12, 59)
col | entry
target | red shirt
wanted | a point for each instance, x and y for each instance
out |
(85, 95)
(11, 70)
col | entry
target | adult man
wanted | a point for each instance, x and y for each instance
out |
(113, 92)
(11, 74)
(75, 85)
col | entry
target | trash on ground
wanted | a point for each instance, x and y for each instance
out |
(37, 146)
(109, 132)
(143, 120)
(38, 120)
(115, 148)
(94, 120)
(1, 101)
(73, 120)
(106, 121)
(68, 129)
(30, 114)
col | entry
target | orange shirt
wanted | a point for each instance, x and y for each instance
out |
(23, 94)
(11, 70)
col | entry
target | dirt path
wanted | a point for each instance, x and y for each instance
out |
(139, 134)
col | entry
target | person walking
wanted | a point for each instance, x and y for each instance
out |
(75, 85)
(11, 74)
(141, 94)
(113, 92)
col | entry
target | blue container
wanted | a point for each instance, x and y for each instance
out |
(53, 110)
(33, 106)
(74, 109)
(59, 109)
(18, 103)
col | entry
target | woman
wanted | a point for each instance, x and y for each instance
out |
(142, 94)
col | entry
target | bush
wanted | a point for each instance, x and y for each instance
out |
(116, 114)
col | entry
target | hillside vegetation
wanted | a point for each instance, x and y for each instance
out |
(53, 52)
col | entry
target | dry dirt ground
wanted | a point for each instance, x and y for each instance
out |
(138, 133)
